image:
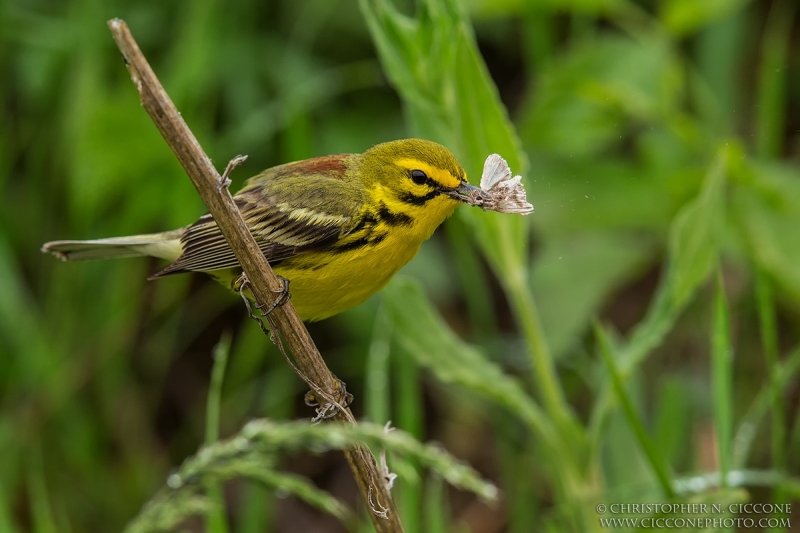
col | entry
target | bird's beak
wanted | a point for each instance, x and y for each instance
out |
(469, 194)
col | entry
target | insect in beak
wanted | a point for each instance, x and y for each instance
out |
(469, 194)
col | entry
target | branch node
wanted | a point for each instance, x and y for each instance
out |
(388, 477)
(328, 409)
(225, 182)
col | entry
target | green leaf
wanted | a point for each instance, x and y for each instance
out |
(585, 98)
(766, 208)
(693, 239)
(481, 128)
(434, 63)
(422, 334)
(685, 16)
(692, 248)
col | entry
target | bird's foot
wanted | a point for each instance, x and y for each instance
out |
(283, 296)
(242, 284)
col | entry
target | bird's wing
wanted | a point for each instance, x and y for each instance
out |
(289, 209)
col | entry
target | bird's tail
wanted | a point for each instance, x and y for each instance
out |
(165, 245)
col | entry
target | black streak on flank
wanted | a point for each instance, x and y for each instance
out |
(367, 222)
(352, 245)
(393, 219)
(413, 199)
(359, 243)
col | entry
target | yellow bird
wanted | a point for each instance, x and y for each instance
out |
(337, 227)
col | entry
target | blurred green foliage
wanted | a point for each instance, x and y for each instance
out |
(658, 141)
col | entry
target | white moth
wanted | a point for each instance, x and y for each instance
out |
(507, 195)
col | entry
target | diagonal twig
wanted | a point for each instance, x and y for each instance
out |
(261, 279)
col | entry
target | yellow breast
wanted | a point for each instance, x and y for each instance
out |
(330, 281)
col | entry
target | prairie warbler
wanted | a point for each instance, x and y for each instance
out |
(337, 227)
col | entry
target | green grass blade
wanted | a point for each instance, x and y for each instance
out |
(772, 79)
(257, 506)
(39, 500)
(220, 355)
(409, 418)
(748, 428)
(216, 521)
(673, 424)
(719, 49)
(520, 491)
(722, 380)
(6, 512)
(769, 343)
(378, 387)
(252, 453)
(794, 443)
(262, 436)
(435, 509)
(299, 487)
(654, 456)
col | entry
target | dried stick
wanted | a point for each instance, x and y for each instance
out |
(261, 279)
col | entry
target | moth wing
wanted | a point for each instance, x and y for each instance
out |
(495, 170)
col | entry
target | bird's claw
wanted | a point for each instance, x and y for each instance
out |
(283, 296)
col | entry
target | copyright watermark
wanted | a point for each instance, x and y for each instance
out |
(696, 522)
(694, 515)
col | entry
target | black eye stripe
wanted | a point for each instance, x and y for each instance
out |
(413, 199)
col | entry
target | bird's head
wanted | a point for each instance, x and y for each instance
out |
(417, 176)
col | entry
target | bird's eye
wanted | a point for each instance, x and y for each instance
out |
(419, 177)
